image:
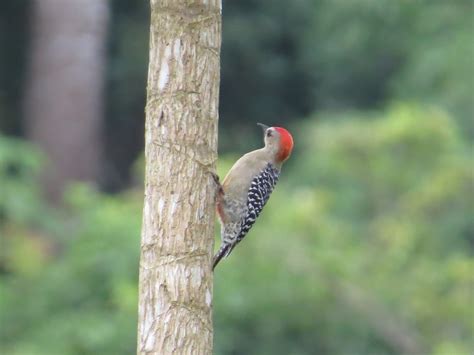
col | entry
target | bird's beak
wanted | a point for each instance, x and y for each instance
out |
(264, 126)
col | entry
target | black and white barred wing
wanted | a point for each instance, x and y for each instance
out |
(259, 193)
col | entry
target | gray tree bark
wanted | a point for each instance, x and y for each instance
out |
(175, 293)
(63, 100)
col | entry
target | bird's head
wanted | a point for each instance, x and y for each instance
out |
(279, 141)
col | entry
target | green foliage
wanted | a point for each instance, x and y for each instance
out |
(19, 167)
(438, 66)
(69, 279)
(337, 54)
(280, 63)
(365, 248)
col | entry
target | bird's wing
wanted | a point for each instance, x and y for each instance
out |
(259, 193)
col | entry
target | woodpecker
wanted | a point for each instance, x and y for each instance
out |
(247, 187)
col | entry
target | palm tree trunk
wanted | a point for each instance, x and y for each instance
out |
(64, 95)
(175, 295)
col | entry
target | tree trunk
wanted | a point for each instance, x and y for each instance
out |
(180, 151)
(63, 100)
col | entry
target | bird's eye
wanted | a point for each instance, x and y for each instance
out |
(269, 133)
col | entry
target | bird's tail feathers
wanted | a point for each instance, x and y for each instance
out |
(223, 252)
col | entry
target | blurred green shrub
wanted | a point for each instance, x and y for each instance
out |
(365, 248)
(68, 279)
(19, 167)
(438, 67)
(84, 298)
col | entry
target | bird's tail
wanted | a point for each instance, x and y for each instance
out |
(223, 251)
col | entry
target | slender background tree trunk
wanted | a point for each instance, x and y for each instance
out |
(181, 150)
(63, 99)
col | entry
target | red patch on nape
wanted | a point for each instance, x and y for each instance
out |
(286, 144)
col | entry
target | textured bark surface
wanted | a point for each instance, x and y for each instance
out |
(180, 151)
(63, 99)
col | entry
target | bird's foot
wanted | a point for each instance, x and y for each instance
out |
(217, 181)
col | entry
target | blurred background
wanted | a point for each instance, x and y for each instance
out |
(366, 245)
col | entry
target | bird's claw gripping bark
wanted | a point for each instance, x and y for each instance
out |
(217, 181)
(215, 177)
